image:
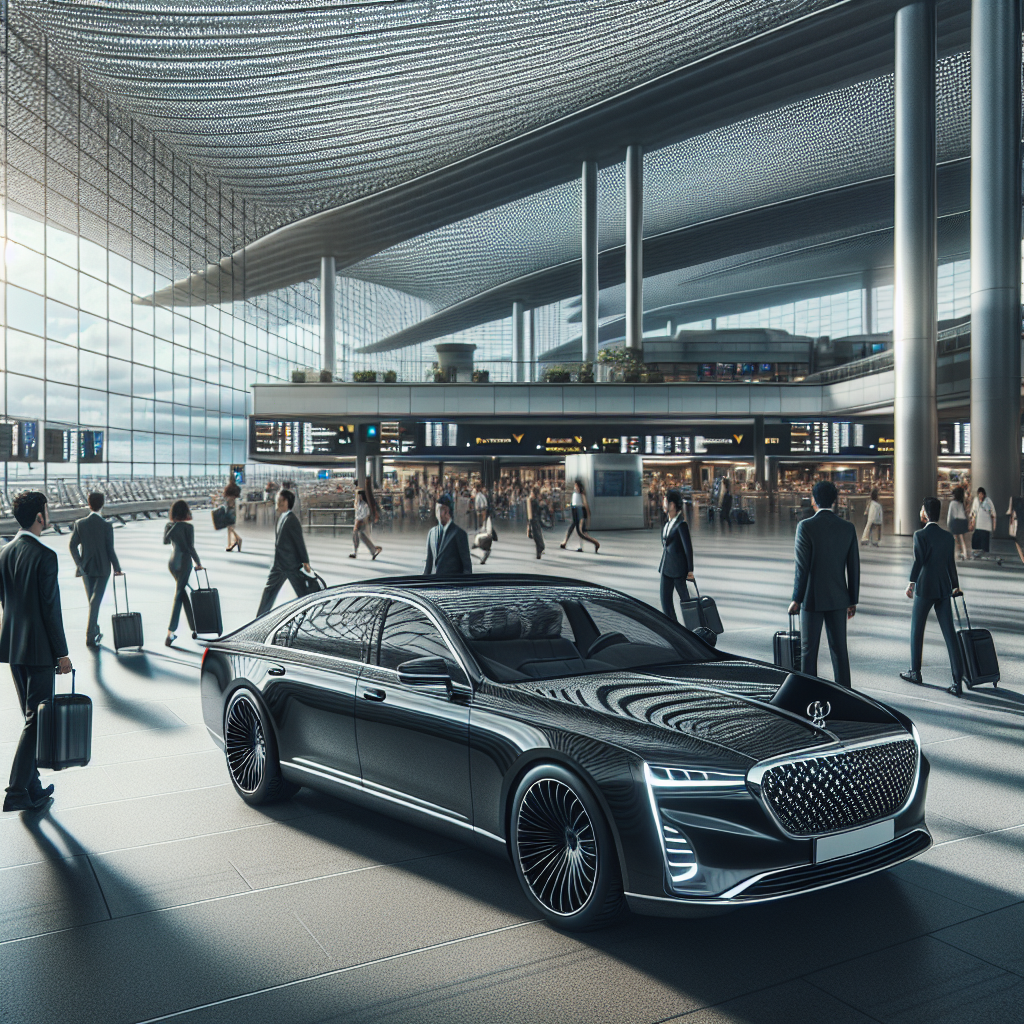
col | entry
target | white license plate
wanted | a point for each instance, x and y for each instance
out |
(859, 839)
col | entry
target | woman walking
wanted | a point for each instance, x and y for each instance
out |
(180, 533)
(533, 527)
(231, 495)
(873, 517)
(726, 513)
(1016, 513)
(983, 522)
(956, 522)
(360, 530)
(580, 509)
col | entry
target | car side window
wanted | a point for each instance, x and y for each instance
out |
(409, 633)
(341, 628)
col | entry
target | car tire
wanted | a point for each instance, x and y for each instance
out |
(250, 749)
(563, 850)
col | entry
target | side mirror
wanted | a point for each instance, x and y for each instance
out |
(424, 672)
(709, 636)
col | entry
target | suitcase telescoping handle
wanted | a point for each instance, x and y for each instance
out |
(126, 608)
(206, 574)
(956, 609)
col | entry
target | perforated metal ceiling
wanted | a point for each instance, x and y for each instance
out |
(306, 106)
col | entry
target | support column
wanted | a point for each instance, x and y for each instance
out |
(759, 451)
(995, 251)
(914, 245)
(531, 354)
(589, 253)
(635, 249)
(328, 288)
(518, 342)
(867, 303)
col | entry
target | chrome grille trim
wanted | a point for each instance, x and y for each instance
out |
(805, 802)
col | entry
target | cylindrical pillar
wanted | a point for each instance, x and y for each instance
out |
(995, 250)
(635, 249)
(518, 342)
(867, 304)
(328, 288)
(531, 353)
(914, 245)
(589, 253)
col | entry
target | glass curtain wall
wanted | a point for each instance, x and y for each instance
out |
(96, 213)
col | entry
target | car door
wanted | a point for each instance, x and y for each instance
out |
(413, 739)
(319, 654)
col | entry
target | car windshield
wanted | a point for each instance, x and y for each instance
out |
(521, 633)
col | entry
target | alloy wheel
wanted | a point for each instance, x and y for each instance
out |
(245, 743)
(557, 847)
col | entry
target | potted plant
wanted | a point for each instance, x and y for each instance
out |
(652, 375)
(481, 376)
(558, 375)
(365, 376)
(390, 377)
(326, 376)
(586, 373)
(437, 375)
(298, 376)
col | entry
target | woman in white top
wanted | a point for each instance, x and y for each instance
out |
(956, 522)
(873, 519)
(983, 522)
(361, 528)
(580, 514)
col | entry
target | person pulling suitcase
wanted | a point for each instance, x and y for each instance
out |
(933, 584)
(32, 640)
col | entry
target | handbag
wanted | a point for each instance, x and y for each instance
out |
(220, 517)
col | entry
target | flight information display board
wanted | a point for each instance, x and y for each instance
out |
(19, 441)
(817, 439)
(302, 437)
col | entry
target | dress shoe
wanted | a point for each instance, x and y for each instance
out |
(25, 803)
(955, 690)
(43, 794)
(912, 677)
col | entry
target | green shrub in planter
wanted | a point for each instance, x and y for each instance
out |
(481, 376)
(298, 376)
(390, 377)
(365, 376)
(652, 377)
(326, 376)
(557, 375)
(437, 375)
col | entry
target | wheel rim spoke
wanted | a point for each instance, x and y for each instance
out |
(557, 847)
(244, 744)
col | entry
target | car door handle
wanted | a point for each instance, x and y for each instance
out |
(377, 695)
(275, 670)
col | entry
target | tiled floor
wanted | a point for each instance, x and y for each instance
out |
(149, 891)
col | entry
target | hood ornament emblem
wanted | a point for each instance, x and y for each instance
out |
(818, 711)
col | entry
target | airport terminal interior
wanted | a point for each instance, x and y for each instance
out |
(482, 335)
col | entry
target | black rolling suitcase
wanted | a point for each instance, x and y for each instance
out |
(786, 647)
(701, 612)
(64, 730)
(977, 651)
(126, 625)
(206, 608)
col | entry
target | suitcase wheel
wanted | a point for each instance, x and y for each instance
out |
(195, 636)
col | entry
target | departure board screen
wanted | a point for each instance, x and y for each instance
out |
(300, 437)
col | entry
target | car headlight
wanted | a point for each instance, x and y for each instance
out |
(681, 863)
(670, 779)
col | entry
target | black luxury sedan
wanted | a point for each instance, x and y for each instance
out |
(616, 757)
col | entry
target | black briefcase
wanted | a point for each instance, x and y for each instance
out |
(126, 625)
(206, 609)
(701, 612)
(977, 651)
(786, 647)
(311, 584)
(64, 730)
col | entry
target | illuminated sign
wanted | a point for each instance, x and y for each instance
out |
(300, 437)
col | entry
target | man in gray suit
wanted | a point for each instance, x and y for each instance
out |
(92, 548)
(827, 583)
(31, 640)
(447, 544)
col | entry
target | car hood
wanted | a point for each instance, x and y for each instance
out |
(747, 708)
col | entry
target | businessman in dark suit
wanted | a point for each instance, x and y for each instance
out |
(290, 556)
(676, 555)
(447, 544)
(933, 584)
(31, 639)
(92, 548)
(826, 587)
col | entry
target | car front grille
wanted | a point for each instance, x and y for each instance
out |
(832, 792)
(815, 876)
